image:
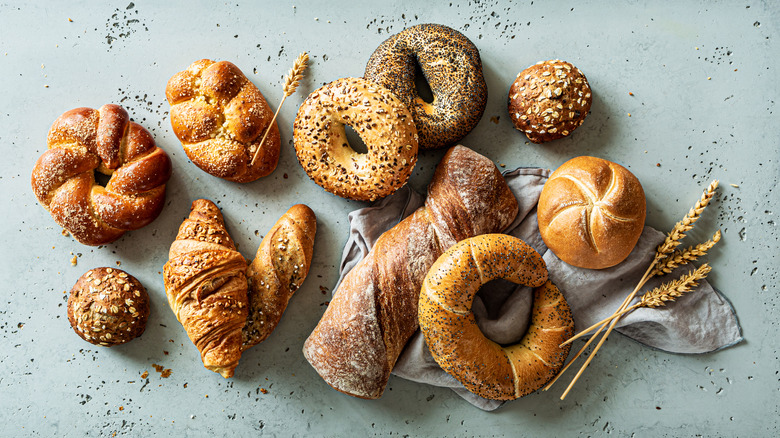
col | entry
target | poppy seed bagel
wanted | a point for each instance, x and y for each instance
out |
(450, 63)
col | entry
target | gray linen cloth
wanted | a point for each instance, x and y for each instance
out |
(700, 321)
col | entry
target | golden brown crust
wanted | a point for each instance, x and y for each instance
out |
(591, 212)
(83, 141)
(456, 343)
(383, 123)
(220, 118)
(205, 282)
(452, 67)
(549, 100)
(108, 306)
(374, 311)
(278, 270)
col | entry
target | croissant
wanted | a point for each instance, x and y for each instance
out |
(226, 305)
(206, 285)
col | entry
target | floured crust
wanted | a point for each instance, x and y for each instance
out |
(591, 212)
(83, 141)
(374, 311)
(220, 118)
(452, 67)
(549, 100)
(384, 124)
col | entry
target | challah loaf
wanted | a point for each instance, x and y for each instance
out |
(83, 141)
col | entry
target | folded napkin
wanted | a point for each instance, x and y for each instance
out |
(700, 321)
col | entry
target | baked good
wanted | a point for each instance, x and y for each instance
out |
(205, 282)
(83, 141)
(484, 367)
(279, 268)
(591, 212)
(549, 100)
(225, 304)
(452, 67)
(383, 123)
(220, 118)
(374, 310)
(107, 307)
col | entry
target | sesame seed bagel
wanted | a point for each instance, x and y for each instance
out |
(450, 63)
(484, 367)
(549, 100)
(384, 124)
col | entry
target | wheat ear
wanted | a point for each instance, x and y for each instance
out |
(679, 258)
(290, 85)
(664, 250)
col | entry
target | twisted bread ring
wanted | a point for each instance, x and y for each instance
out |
(85, 140)
(456, 343)
(453, 69)
(381, 120)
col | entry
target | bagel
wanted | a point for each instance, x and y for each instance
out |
(450, 63)
(484, 367)
(384, 124)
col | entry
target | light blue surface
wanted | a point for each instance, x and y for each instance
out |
(704, 82)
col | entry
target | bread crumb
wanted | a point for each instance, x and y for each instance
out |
(630, 93)
(71, 21)
(74, 261)
(629, 114)
(735, 185)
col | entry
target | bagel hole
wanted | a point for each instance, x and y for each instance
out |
(421, 84)
(355, 142)
(101, 178)
(504, 312)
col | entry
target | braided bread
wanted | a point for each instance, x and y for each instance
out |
(85, 140)
(456, 343)
(220, 117)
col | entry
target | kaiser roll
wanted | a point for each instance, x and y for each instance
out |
(591, 212)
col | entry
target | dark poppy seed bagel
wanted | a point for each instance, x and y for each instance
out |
(453, 69)
(549, 100)
(108, 307)
(456, 343)
(384, 124)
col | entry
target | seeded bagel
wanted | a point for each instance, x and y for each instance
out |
(384, 124)
(450, 63)
(549, 100)
(485, 368)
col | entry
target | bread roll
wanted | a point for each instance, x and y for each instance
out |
(374, 311)
(591, 212)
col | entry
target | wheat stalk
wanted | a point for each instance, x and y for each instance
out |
(663, 251)
(655, 298)
(686, 224)
(291, 82)
(679, 258)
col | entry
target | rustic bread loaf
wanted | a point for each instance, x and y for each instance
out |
(374, 311)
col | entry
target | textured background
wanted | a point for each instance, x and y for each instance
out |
(704, 82)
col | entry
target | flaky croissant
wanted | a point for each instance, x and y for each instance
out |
(225, 304)
(205, 281)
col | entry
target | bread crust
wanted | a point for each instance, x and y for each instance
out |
(485, 368)
(549, 100)
(374, 311)
(383, 123)
(591, 212)
(452, 67)
(83, 141)
(108, 306)
(220, 118)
